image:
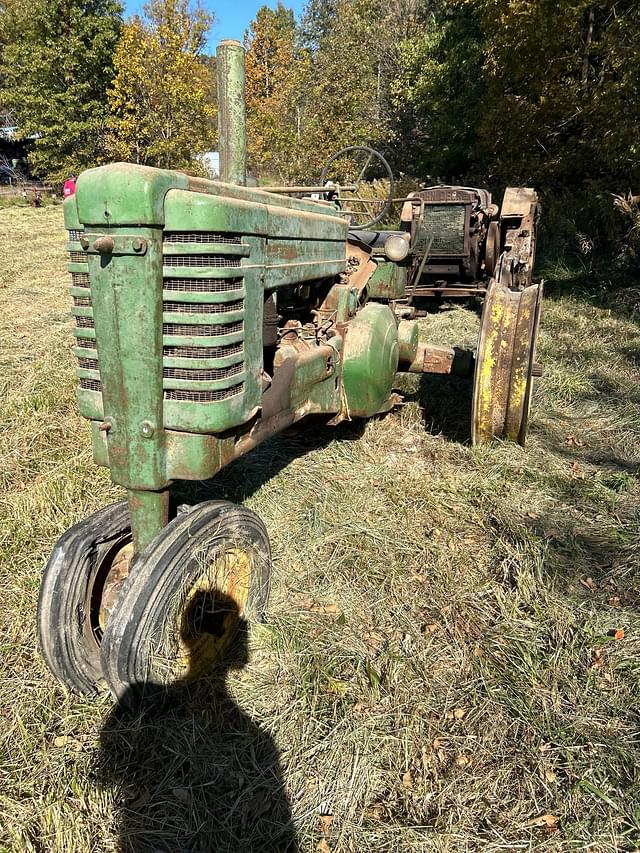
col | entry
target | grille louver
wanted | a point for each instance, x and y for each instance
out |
(81, 279)
(193, 282)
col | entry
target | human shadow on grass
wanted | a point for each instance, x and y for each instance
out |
(191, 771)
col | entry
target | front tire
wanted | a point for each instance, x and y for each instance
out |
(70, 601)
(189, 591)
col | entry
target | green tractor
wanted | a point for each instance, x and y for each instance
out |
(210, 316)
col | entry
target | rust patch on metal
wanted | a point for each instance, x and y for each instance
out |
(505, 363)
(118, 573)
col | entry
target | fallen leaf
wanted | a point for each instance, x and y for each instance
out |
(336, 687)
(143, 797)
(181, 794)
(325, 822)
(459, 713)
(576, 471)
(66, 740)
(550, 776)
(614, 600)
(323, 846)
(589, 583)
(407, 779)
(430, 629)
(314, 606)
(598, 659)
(575, 442)
(549, 821)
(462, 760)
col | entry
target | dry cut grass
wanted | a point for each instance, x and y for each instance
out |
(439, 671)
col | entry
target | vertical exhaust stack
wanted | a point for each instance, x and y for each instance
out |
(232, 132)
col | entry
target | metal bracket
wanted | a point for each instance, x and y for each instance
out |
(114, 244)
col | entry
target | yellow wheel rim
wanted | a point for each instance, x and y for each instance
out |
(211, 611)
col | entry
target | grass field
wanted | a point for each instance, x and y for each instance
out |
(439, 670)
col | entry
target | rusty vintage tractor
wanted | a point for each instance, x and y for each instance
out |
(210, 316)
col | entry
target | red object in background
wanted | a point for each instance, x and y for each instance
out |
(69, 187)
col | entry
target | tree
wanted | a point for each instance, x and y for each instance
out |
(162, 110)
(439, 94)
(317, 22)
(277, 72)
(562, 108)
(56, 67)
(354, 64)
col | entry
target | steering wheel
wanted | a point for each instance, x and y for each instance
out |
(343, 175)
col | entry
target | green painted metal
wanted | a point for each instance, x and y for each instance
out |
(407, 341)
(149, 513)
(370, 359)
(232, 138)
(170, 275)
(127, 312)
(125, 194)
(169, 333)
(389, 281)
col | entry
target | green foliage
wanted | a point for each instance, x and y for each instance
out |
(162, 113)
(562, 101)
(57, 62)
(439, 94)
(277, 72)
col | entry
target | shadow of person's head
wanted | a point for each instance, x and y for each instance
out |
(189, 769)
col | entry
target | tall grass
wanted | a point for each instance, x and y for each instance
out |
(439, 671)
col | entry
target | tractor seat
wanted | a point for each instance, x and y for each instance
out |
(373, 239)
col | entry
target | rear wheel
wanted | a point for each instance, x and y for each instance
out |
(505, 363)
(76, 593)
(492, 249)
(205, 574)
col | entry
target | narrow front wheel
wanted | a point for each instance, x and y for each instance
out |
(77, 590)
(206, 573)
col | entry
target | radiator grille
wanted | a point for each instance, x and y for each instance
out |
(186, 329)
(204, 396)
(201, 237)
(446, 222)
(233, 303)
(203, 352)
(203, 285)
(201, 374)
(196, 372)
(200, 261)
(202, 307)
(88, 363)
(91, 384)
(80, 279)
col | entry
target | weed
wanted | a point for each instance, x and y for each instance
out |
(439, 670)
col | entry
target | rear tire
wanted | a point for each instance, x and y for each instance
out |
(189, 591)
(68, 629)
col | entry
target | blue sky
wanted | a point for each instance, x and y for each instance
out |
(232, 16)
